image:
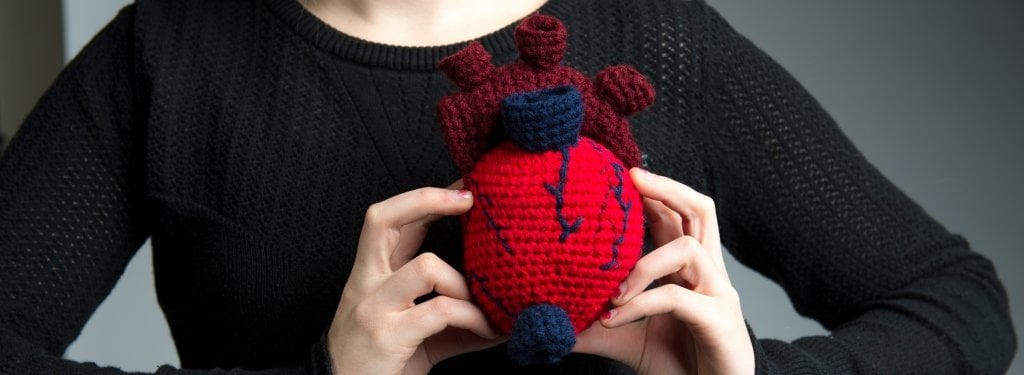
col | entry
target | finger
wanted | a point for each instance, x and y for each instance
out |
(618, 343)
(715, 324)
(431, 317)
(684, 258)
(410, 238)
(665, 225)
(420, 276)
(685, 305)
(381, 232)
(411, 235)
(455, 341)
(697, 210)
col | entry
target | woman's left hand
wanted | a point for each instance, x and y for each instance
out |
(693, 323)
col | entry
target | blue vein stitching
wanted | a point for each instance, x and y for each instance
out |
(623, 204)
(491, 223)
(480, 280)
(559, 194)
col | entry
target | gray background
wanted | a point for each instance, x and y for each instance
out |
(931, 91)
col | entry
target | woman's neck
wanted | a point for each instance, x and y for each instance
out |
(419, 22)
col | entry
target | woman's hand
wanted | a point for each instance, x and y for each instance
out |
(693, 323)
(378, 328)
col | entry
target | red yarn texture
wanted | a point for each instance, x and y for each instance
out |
(514, 256)
(561, 227)
(470, 119)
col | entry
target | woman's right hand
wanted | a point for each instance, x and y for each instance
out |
(378, 328)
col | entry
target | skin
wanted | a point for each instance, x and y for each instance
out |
(690, 324)
(419, 23)
(378, 328)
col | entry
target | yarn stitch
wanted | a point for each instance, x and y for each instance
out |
(555, 228)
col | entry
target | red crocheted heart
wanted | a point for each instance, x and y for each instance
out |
(556, 224)
(523, 246)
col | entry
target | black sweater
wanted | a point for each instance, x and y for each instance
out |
(247, 138)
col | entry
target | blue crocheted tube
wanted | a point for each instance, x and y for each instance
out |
(543, 120)
(541, 334)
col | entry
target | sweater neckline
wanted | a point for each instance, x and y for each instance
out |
(499, 43)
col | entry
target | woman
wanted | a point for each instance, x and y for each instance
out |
(248, 140)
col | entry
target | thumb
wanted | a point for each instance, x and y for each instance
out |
(618, 343)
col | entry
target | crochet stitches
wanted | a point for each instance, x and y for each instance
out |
(470, 119)
(557, 225)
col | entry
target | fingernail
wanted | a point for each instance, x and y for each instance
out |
(607, 315)
(460, 195)
(645, 174)
(622, 290)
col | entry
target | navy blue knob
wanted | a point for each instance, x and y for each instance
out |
(543, 120)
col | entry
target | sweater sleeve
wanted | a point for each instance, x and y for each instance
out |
(72, 208)
(801, 205)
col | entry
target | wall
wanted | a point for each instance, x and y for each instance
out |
(30, 57)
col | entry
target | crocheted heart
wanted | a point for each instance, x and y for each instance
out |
(556, 223)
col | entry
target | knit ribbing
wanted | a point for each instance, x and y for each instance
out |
(500, 42)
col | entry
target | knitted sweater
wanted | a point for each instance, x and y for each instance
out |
(247, 138)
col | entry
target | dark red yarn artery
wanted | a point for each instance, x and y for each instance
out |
(470, 118)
